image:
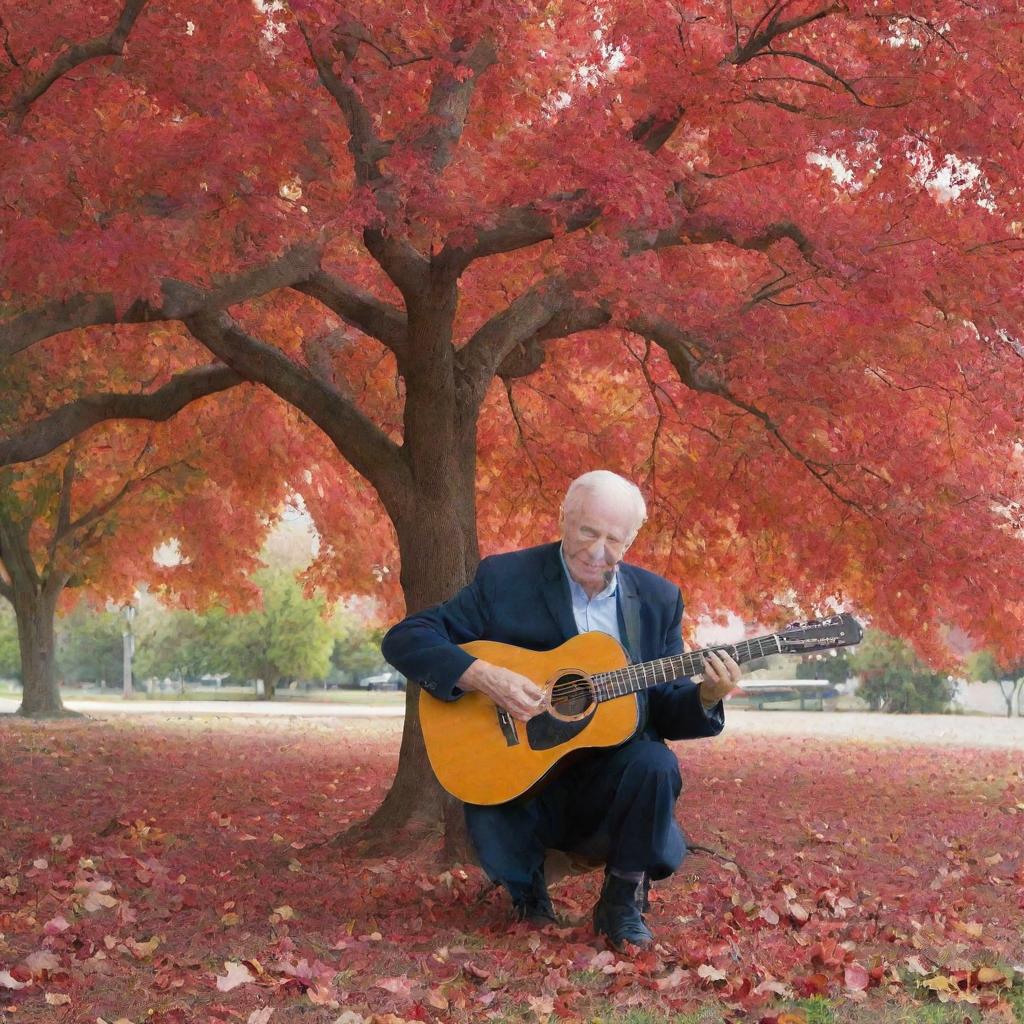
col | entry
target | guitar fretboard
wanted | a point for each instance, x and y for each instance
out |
(634, 678)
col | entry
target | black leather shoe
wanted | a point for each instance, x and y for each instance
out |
(618, 915)
(534, 907)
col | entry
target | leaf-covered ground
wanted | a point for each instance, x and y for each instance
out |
(177, 872)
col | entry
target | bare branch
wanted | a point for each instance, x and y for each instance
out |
(110, 45)
(686, 354)
(361, 309)
(80, 530)
(50, 432)
(370, 451)
(830, 72)
(759, 39)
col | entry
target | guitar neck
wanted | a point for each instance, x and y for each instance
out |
(634, 678)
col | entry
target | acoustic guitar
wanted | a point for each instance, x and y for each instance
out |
(482, 755)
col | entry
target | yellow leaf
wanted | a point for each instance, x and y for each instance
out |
(940, 983)
(991, 976)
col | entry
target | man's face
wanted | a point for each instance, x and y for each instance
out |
(595, 535)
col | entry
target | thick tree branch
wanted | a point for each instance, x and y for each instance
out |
(704, 231)
(16, 554)
(50, 432)
(686, 354)
(67, 483)
(653, 131)
(364, 145)
(110, 45)
(361, 309)
(400, 260)
(449, 101)
(522, 226)
(518, 322)
(528, 356)
(370, 451)
(180, 299)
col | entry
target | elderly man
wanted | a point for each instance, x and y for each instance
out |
(616, 805)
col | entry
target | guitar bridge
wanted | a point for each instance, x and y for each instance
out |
(508, 727)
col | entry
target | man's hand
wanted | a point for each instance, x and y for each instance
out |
(519, 696)
(721, 674)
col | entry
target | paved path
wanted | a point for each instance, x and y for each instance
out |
(937, 730)
(941, 730)
(259, 709)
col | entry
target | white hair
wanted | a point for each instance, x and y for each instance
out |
(607, 484)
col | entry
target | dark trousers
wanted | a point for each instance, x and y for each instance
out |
(616, 806)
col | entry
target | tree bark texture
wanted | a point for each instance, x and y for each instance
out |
(35, 611)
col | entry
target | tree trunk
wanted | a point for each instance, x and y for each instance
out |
(269, 687)
(35, 612)
(439, 553)
(1008, 695)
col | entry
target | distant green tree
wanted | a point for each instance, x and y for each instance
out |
(288, 638)
(181, 644)
(90, 647)
(356, 651)
(894, 679)
(982, 666)
(10, 658)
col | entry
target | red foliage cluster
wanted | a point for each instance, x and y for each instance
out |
(855, 871)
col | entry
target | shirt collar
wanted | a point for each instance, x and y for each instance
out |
(577, 588)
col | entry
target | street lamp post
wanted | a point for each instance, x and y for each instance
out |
(128, 612)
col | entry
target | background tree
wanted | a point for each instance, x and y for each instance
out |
(10, 659)
(356, 651)
(286, 638)
(90, 646)
(894, 679)
(89, 516)
(707, 247)
(173, 643)
(982, 666)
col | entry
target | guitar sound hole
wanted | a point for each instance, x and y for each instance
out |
(571, 695)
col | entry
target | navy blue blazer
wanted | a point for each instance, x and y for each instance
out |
(523, 598)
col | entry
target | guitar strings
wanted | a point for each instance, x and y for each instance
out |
(603, 685)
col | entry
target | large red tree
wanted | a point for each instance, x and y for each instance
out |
(763, 257)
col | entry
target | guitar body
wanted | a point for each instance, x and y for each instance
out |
(483, 756)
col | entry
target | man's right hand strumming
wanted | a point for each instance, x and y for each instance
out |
(519, 696)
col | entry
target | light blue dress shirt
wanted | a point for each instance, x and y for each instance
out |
(600, 612)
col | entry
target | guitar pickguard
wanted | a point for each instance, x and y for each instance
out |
(545, 731)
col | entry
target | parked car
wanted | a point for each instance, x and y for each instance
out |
(383, 681)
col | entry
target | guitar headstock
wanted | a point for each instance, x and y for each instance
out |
(820, 634)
